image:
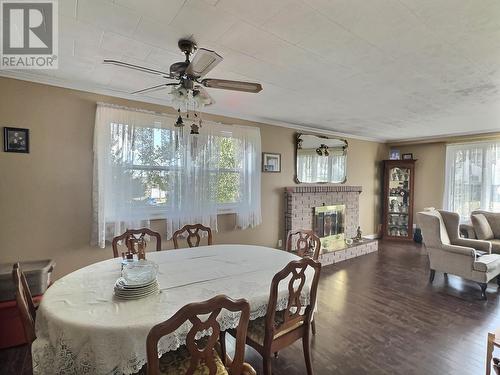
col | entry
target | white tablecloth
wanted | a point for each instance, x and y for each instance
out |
(82, 329)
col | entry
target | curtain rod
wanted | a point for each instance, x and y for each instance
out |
(162, 114)
(472, 142)
(117, 106)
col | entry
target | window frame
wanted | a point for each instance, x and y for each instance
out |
(222, 207)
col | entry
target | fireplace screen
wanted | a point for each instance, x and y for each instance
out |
(329, 226)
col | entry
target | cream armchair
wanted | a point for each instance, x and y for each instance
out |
(449, 253)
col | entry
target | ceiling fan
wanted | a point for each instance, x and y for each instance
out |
(189, 74)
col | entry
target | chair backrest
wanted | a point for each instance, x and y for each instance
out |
(307, 243)
(24, 302)
(190, 313)
(451, 222)
(433, 228)
(295, 312)
(191, 231)
(132, 236)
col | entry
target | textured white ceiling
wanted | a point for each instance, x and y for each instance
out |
(383, 69)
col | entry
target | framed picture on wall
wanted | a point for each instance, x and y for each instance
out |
(271, 162)
(16, 140)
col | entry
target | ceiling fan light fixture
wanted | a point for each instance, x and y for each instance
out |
(188, 90)
(195, 129)
(179, 123)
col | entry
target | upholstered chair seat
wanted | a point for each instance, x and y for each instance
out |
(179, 361)
(257, 328)
(449, 253)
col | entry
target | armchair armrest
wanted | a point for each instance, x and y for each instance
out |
(460, 250)
(475, 244)
(467, 231)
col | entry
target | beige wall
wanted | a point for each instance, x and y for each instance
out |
(45, 196)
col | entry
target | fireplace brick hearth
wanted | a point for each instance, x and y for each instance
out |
(299, 210)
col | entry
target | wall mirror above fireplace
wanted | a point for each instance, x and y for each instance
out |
(320, 159)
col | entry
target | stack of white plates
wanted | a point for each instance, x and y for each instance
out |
(124, 290)
(138, 280)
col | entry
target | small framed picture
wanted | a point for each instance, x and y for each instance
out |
(394, 155)
(408, 156)
(271, 162)
(16, 140)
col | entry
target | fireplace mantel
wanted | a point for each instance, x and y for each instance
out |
(324, 189)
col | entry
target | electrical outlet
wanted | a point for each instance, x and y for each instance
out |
(280, 243)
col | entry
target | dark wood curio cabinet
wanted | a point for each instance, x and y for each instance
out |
(399, 179)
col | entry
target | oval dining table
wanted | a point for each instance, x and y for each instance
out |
(82, 328)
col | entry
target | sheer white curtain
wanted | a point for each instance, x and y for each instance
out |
(472, 178)
(248, 157)
(145, 168)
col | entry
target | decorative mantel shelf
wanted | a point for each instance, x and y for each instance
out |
(299, 212)
(323, 189)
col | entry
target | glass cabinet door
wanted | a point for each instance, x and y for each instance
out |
(398, 202)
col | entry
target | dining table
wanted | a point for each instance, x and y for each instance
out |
(83, 328)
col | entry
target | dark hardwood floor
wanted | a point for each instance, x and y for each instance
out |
(378, 314)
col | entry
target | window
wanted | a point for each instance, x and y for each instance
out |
(152, 160)
(145, 169)
(472, 177)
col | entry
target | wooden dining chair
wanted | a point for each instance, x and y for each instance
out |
(25, 305)
(307, 244)
(279, 329)
(130, 238)
(191, 232)
(200, 356)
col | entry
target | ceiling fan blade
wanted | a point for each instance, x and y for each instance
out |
(232, 85)
(203, 61)
(205, 98)
(154, 88)
(139, 68)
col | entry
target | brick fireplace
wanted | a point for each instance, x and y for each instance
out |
(299, 214)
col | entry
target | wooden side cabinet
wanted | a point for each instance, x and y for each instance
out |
(399, 180)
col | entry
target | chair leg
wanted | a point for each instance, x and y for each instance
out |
(483, 287)
(266, 364)
(307, 352)
(489, 352)
(313, 327)
(431, 276)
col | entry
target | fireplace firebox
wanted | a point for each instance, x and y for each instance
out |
(329, 226)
